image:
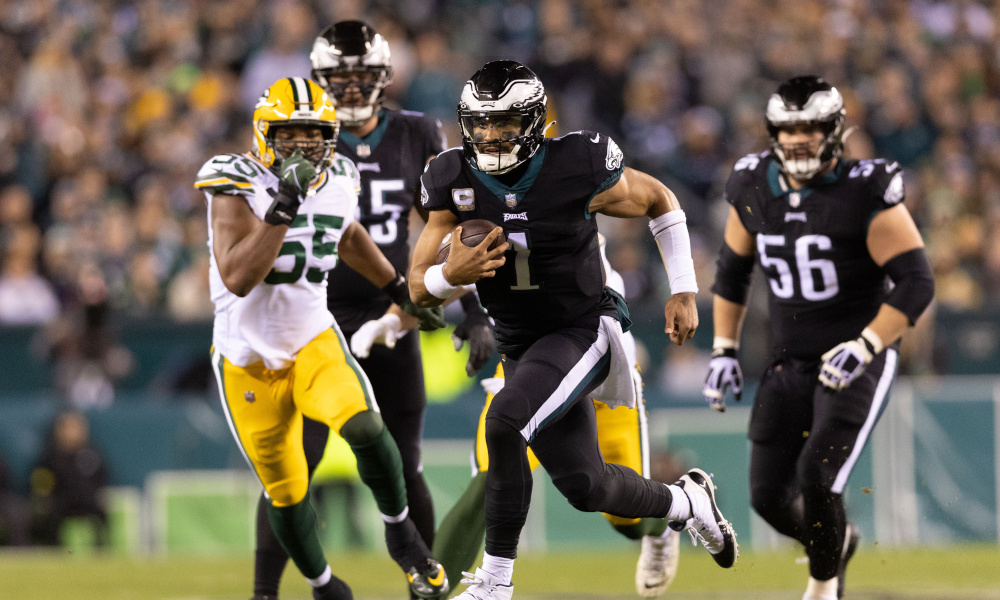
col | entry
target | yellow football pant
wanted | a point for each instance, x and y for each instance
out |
(621, 435)
(264, 408)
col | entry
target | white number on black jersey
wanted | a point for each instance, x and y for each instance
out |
(809, 268)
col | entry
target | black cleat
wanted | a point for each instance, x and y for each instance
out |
(425, 576)
(851, 539)
(430, 582)
(335, 589)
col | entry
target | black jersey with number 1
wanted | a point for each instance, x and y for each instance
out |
(824, 287)
(553, 274)
(390, 160)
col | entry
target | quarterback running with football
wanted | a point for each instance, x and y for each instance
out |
(280, 217)
(558, 327)
(390, 149)
(847, 274)
(624, 439)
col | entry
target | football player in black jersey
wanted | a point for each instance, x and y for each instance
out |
(351, 61)
(557, 326)
(830, 234)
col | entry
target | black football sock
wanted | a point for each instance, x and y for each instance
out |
(295, 528)
(459, 539)
(270, 558)
(418, 497)
(825, 541)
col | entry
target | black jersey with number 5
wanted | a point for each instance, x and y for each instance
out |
(823, 285)
(553, 274)
(390, 160)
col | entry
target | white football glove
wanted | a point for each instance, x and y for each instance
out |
(384, 330)
(723, 372)
(843, 363)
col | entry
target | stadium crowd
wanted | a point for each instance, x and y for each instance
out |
(108, 108)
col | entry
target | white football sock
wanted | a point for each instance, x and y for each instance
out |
(500, 568)
(821, 590)
(680, 505)
(323, 578)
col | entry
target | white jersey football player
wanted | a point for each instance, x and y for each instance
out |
(280, 218)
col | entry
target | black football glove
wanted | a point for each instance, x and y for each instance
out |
(476, 329)
(293, 181)
(428, 319)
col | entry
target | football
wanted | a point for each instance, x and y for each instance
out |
(473, 233)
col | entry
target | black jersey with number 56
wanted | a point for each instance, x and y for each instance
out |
(823, 285)
(553, 274)
(390, 160)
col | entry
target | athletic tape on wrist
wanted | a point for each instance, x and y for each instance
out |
(436, 284)
(674, 242)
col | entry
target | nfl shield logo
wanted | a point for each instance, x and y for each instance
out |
(364, 150)
(511, 200)
(249, 397)
(794, 199)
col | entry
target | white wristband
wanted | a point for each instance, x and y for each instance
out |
(436, 284)
(874, 339)
(671, 233)
(725, 343)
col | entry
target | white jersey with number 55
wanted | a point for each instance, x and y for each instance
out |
(288, 309)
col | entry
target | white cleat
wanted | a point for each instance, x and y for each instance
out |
(484, 586)
(707, 523)
(657, 564)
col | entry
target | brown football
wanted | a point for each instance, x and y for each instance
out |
(473, 233)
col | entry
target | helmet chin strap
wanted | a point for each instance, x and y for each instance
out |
(497, 163)
(352, 116)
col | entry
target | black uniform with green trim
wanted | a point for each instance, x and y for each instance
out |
(548, 302)
(823, 285)
(390, 160)
(553, 274)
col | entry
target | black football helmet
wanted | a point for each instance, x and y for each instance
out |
(509, 97)
(807, 100)
(352, 47)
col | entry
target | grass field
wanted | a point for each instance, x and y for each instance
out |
(924, 574)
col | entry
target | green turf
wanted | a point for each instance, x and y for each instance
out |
(946, 574)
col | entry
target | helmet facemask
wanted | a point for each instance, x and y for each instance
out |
(502, 116)
(500, 141)
(806, 102)
(351, 62)
(319, 152)
(295, 102)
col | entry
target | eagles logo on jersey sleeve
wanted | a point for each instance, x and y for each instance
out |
(607, 161)
(884, 181)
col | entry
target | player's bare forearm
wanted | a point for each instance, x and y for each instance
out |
(406, 320)
(439, 223)
(636, 194)
(357, 249)
(245, 247)
(727, 317)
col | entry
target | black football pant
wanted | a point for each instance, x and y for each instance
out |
(805, 442)
(397, 379)
(540, 405)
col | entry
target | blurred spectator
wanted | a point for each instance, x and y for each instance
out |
(82, 348)
(26, 298)
(69, 481)
(14, 517)
(107, 108)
